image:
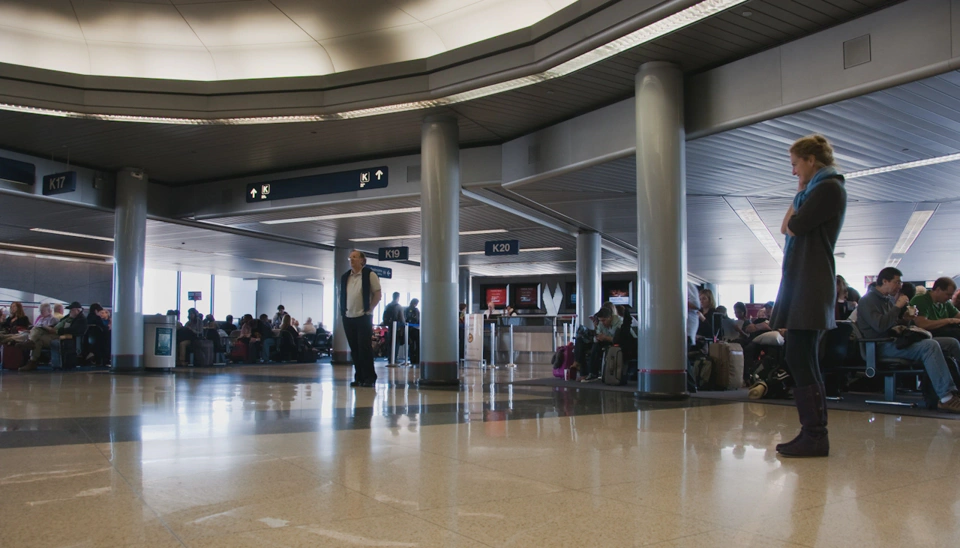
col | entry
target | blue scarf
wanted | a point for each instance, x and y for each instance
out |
(822, 175)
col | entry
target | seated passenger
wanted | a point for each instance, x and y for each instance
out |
(708, 328)
(289, 340)
(844, 306)
(935, 312)
(99, 347)
(228, 325)
(876, 315)
(58, 311)
(308, 328)
(607, 326)
(72, 325)
(16, 321)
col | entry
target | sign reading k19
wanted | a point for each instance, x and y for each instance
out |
(393, 253)
(502, 247)
(315, 185)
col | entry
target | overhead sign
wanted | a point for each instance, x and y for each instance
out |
(394, 253)
(382, 272)
(194, 295)
(15, 171)
(59, 183)
(315, 185)
(502, 247)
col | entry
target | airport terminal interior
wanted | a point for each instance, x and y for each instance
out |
(527, 160)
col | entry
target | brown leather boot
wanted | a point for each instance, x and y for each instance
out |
(812, 407)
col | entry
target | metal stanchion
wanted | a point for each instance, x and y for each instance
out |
(493, 346)
(393, 344)
(556, 341)
(406, 344)
(510, 359)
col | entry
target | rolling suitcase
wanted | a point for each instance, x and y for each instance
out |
(12, 356)
(728, 365)
(202, 352)
(615, 370)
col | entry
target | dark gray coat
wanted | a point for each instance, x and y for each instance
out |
(808, 288)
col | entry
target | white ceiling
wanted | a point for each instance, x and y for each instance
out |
(205, 40)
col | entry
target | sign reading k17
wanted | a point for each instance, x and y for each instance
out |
(59, 183)
(393, 253)
(315, 185)
(502, 247)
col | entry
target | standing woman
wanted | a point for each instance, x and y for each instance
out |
(808, 290)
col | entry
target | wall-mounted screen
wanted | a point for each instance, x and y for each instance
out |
(618, 292)
(570, 299)
(495, 295)
(525, 296)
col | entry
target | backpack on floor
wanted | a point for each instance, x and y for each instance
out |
(614, 367)
(12, 356)
(700, 370)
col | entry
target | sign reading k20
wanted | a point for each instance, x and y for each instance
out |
(322, 183)
(393, 253)
(502, 247)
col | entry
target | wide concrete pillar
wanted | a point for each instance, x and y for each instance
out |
(661, 232)
(440, 251)
(589, 272)
(463, 286)
(341, 350)
(129, 245)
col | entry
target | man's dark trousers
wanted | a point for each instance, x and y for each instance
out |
(359, 333)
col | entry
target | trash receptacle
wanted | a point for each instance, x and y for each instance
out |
(159, 342)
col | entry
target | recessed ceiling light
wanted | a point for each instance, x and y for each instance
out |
(52, 250)
(284, 264)
(343, 216)
(72, 234)
(745, 210)
(654, 30)
(747, 13)
(914, 226)
(905, 165)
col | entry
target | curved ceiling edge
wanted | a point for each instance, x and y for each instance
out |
(199, 103)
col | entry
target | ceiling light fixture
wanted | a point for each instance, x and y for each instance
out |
(905, 165)
(51, 257)
(313, 280)
(343, 216)
(284, 264)
(52, 250)
(72, 234)
(527, 250)
(745, 210)
(914, 226)
(417, 236)
(671, 23)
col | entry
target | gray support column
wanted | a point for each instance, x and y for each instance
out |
(661, 232)
(440, 251)
(589, 272)
(464, 286)
(129, 245)
(341, 350)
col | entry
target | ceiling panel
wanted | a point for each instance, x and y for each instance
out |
(181, 155)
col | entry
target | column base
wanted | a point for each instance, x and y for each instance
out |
(439, 374)
(661, 384)
(127, 362)
(341, 358)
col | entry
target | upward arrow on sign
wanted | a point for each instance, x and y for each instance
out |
(253, 193)
(379, 174)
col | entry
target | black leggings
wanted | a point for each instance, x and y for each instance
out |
(802, 347)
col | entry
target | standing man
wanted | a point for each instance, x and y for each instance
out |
(360, 288)
(394, 313)
(412, 315)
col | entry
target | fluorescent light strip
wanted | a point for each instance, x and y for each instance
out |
(679, 20)
(527, 250)
(72, 234)
(313, 280)
(284, 264)
(915, 225)
(343, 216)
(906, 165)
(417, 236)
(51, 250)
(745, 210)
(52, 257)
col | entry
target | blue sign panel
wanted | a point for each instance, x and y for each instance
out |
(502, 247)
(15, 171)
(194, 295)
(59, 183)
(381, 271)
(314, 185)
(394, 253)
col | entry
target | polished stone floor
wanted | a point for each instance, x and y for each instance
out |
(292, 456)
